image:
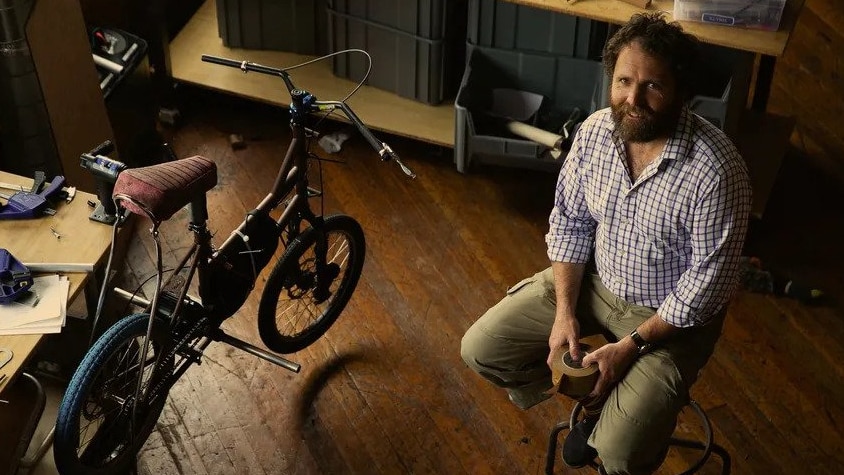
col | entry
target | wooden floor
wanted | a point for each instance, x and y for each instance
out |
(385, 392)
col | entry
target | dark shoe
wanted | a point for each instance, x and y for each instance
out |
(576, 452)
(526, 400)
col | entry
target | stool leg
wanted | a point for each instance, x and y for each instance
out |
(708, 447)
(726, 462)
(551, 456)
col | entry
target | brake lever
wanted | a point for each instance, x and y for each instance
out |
(387, 153)
(384, 150)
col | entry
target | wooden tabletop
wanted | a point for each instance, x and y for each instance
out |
(83, 244)
(771, 43)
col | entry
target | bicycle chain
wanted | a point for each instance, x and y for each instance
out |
(172, 353)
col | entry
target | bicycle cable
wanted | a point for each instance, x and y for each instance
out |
(325, 116)
(329, 55)
(138, 288)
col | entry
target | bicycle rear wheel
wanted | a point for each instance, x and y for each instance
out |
(94, 430)
(303, 297)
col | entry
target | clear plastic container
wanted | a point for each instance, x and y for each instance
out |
(758, 14)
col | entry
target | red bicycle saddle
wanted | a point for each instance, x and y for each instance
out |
(163, 189)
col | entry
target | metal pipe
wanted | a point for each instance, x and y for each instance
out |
(223, 337)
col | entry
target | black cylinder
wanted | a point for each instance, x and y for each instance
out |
(25, 131)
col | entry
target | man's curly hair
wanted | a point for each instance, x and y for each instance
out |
(663, 40)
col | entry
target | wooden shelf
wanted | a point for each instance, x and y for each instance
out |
(771, 43)
(379, 109)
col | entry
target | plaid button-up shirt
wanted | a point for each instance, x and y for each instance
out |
(673, 239)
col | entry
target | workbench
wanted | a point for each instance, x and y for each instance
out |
(82, 249)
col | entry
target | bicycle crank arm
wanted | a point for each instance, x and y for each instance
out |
(223, 337)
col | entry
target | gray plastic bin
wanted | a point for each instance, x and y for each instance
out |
(417, 47)
(506, 25)
(431, 19)
(296, 26)
(718, 96)
(566, 83)
(721, 90)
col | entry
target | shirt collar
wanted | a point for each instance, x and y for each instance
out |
(679, 144)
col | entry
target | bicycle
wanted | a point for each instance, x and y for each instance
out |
(118, 391)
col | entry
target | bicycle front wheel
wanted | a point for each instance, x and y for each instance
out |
(311, 284)
(95, 430)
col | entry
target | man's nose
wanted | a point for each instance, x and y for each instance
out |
(635, 96)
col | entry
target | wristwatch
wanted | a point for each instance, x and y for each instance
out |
(642, 345)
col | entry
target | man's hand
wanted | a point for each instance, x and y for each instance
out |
(566, 331)
(613, 360)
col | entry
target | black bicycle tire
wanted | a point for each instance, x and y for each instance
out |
(267, 325)
(66, 436)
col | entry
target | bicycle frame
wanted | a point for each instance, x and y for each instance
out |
(292, 177)
(226, 278)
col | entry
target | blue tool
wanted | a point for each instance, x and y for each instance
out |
(105, 171)
(30, 204)
(15, 278)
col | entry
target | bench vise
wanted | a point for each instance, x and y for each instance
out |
(15, 278)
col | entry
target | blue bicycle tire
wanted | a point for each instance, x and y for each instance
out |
(86, 384)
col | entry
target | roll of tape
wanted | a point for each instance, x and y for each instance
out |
(577, 381)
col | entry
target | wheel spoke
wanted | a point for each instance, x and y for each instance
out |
(94, 428)
(293, 318)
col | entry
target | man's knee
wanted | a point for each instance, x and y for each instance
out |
(474, 347)
(638, 418)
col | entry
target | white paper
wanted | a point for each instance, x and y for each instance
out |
(48, 316)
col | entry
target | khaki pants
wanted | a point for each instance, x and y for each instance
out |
(508, 345)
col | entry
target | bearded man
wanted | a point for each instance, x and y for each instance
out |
(645, 238)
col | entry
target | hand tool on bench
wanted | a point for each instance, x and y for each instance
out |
(6, 355)
(15, 278)
(27, 204)
(105, 171)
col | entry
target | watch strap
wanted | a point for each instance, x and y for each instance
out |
(642, 345)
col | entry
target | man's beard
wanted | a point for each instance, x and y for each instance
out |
(651, 125)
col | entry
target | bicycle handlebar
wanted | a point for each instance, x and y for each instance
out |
(384, 150)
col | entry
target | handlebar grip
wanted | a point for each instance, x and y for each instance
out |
(104, 148)
(223, 61)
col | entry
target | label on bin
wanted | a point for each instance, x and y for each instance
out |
(719, 19)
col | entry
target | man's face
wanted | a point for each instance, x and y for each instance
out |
(644, 97)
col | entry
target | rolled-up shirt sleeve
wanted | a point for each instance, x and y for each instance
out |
(719, 226)
(571, 234)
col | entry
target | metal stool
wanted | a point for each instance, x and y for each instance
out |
(25, 405)
(708, 447)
